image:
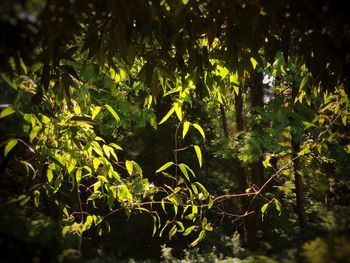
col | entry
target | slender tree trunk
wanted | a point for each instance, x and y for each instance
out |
(224, 120)
(257, 101)
(298, 179)
(257, 168)
(328, 169)
(299, 186)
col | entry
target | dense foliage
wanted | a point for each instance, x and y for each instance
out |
(182, 131)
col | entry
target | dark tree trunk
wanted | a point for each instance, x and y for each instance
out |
(298, 179)
(224, 120)
(299, 186)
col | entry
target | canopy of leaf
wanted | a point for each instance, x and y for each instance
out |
(167, 33)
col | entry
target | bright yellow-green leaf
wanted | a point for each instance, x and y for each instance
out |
(200, 237)
(9, 146)
(185, 2)
(112, 111)
(254, 62)
(34, 132)
(236, 89)
(36, 197)
(106, 150)
(49, 175)
(129, 166)
(172, 231)
(234, 78)
(263, 209)
(95, 163)
(199, 154)
(189, 230)
(137, 168)
(199, 128)
(165, 166)
(7, 111)
(185, 129)
(184, 170)
(304, 81)
(278, 206)
(178, 111)
(78, 175)
(171, 111)
(343, 119)
(266, 162)
(115, 146)
(96, 110)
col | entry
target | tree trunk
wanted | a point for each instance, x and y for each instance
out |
(298, 179)
(299, 186)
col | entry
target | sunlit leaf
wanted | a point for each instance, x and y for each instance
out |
(112, 111)
(266, 162)
(96, 110)
(200, 237)
(129, 166)
(49, 175)
(170, 112)
(263, 209)
(304, 81)
(199, 128)
(9, 146)
(189, 230)
(34, 132)
(199, 154)
(184, 170)
(7, 111)
(185, 129)
(172, 231)
(165, 166)
(254, 62)
(78, 174)
(36, 198)
(278, 206)
(178, 111)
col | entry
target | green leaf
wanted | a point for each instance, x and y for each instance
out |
(36, 198)
(9, 146)
(186, 126)
(116, 146)
(165, 166)
(178, 111)
(49, 175)
(96, 110)
(189, 230)
(184, 170)
(199, 128)
(200, 237)
(95, 163)
(129, 166)
(112, 111)
(263, 209)
(308, 124)
(343, 119)
(78, 175)
(137, 167)
(34, 133)
(254, 62)
(199, 154)
(7, 111)
(266, 162)
(171, 111)
(172, 231)
(304, 81)
(278, 206)
(163, 205)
